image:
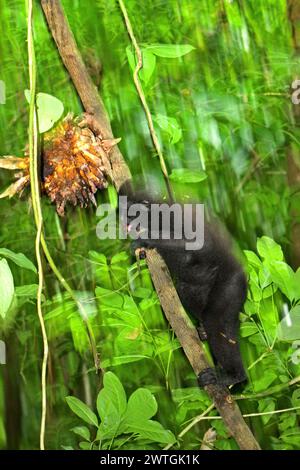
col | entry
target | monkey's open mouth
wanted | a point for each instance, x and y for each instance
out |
(138, 230)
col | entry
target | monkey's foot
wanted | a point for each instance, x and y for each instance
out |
(207, 377)
(201, 332)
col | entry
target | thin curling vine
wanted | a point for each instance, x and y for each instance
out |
(40, 239)
(37, 210)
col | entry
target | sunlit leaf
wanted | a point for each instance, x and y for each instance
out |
(18, 258)
(82, 410)
(289, 327)
(141, 406)
(170, 51)
(153, 431)
(170, 126)
(49, 110)
(149, 63)
(82, 431)
(283, 275)
(184, 175)
(112, 398)
(269, 249)
(6, 288)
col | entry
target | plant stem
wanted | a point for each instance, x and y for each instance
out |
(270, 391)
(35, 192)
(141, 94)
(192, 424)
(204, 417)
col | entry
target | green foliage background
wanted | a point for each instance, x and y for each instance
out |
(229, 102)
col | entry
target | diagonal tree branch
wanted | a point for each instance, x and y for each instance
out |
(162, 281)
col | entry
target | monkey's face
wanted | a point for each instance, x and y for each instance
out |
(135, 216)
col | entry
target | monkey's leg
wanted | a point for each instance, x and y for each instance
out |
(221, 322)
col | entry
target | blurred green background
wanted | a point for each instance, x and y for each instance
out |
(224, 116)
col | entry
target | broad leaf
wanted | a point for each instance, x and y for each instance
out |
(29, 291)
(82, 410)
(149, 63)
(18, 258)
(82, 431)
(184, 175)
(49, 110)
(112, 398)
(283, 275)
(153, 431)
(6, 287)
(141, 407)
(248, 329)
(252, 259)
(269, 249)
(289, 327)
(170, 126)
(170, 51)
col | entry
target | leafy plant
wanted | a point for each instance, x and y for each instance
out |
(120, 422)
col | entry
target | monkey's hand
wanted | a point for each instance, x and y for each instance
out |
(141, 253)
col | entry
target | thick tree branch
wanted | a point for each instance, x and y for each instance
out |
(169, 299)
(86, 89)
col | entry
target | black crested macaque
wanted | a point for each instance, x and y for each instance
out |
(211, 285)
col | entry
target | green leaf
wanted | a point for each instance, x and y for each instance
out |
(248, 329)
(97, 258)
(121, 257)
(49, 110)
(82, 431)
(264, 276)
(283, 275)
(85, 445)
(153, 431)
(170, 126)
(141, 406)
(6, 287)
(29, 291)
(170, 51)
(111, 406)
(252, 259)
(265, 380)
(269, 249)
(265, 405)
(289, 327)
(112, 398)
(124, 359)
(82, 410)
(18, 258)
(110, 298)
(142, 292)
(183, 175)
(149, 64)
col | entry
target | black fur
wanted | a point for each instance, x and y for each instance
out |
(211, 285)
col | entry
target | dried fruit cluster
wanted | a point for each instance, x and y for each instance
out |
(75, 165)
